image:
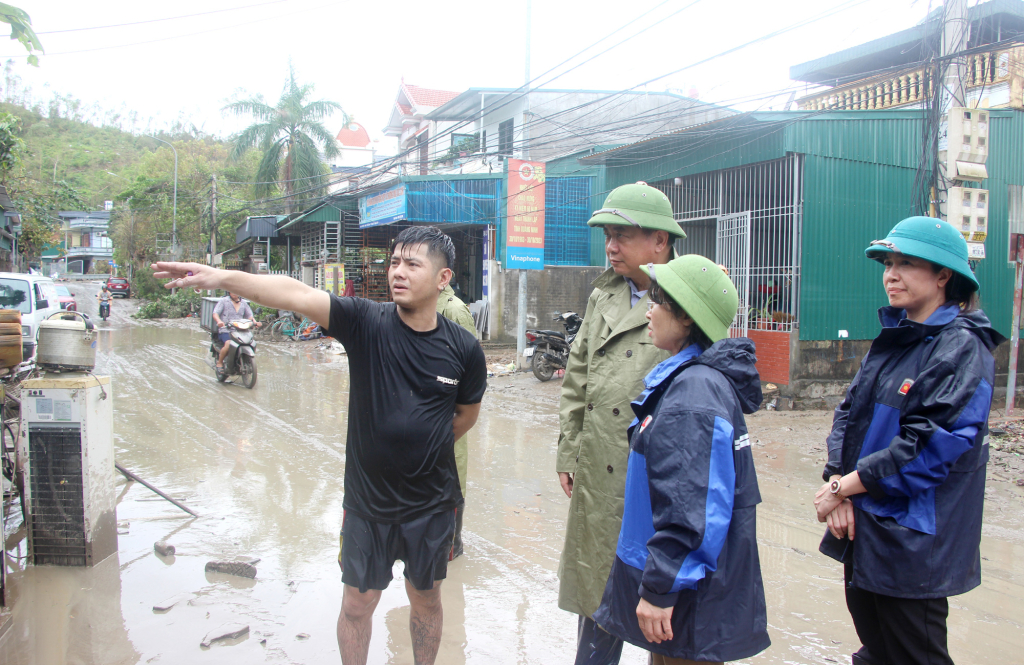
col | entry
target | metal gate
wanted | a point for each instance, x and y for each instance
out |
(732, 250)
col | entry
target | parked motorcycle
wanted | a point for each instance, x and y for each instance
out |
(241, 358)
(548, 350)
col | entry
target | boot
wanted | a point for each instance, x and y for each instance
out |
(457, 543)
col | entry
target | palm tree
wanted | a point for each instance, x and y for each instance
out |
(291, 136)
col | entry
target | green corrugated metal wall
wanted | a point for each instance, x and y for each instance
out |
(328, 213)
(1005, 167)
(847, 204)
(877, 137)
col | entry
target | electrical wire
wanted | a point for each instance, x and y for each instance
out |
(158, 20)
(191, 34)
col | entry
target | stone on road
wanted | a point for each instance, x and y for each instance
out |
(239, 568)
(168, 603)
(225, 631)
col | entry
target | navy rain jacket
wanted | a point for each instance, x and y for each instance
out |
(688, 536)
(914, 423)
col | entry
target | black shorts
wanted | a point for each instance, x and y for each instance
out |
(369, 550)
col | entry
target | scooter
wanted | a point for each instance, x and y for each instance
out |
(548, 350)
(104, 309)
(241, 358)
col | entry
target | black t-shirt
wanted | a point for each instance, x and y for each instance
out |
(403, 388)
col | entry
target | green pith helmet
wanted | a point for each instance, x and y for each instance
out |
(637, 205)
(702, 289)
(926, 238)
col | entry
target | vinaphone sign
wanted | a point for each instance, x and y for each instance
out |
(524, 230)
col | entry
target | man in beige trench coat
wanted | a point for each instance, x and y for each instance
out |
(609, 360)
(452, 308)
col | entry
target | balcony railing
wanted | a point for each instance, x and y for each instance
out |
(912, 86)
(89, 224)
(91, 251)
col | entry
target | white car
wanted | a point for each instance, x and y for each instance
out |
(35, 296)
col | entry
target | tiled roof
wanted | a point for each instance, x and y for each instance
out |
(426, 97)
(406, 110)
(353, 136)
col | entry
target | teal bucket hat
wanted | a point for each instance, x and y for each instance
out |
(637, 205)
(702, 289)
(926, 238)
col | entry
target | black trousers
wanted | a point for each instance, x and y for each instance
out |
(897, 631)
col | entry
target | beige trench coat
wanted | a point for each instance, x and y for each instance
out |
(452, 308)
(609, 360)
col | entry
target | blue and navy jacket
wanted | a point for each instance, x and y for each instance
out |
(688, 536)
(914, 424)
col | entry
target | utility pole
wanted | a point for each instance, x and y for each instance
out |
(174, 218)
(521, 320)
(213, 220)
(948, 91)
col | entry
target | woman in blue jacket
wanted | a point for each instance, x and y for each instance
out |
(686, 581)
(905, 478)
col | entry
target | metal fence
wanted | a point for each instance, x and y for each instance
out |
(768, 279)
(566, 211)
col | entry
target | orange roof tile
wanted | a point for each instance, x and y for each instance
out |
(426, 97)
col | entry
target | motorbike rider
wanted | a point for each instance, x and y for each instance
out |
(104, 297)
(230, 308)
(610, 357)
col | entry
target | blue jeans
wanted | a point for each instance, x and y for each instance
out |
(596, 647)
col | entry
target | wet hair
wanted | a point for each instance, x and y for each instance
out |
(439, 246)
(697, 336)
(960, 290)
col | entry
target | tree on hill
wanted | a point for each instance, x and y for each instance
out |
(291, 136)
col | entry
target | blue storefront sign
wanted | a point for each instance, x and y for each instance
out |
(383, 207)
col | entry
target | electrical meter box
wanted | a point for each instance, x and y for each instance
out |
(967, 211)
(68, 450)
(967, 144)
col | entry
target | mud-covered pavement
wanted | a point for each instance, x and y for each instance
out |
(263, 468)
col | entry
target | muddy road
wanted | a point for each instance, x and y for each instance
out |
(264, 470)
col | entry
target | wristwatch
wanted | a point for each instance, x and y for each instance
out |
(834, 487)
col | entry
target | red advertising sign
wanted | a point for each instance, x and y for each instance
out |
(524, 230)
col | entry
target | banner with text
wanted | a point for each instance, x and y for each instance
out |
(383, 207)
(524, 228)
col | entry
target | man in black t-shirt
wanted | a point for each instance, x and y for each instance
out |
(417, 380)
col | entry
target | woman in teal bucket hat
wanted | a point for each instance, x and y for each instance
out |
(686, 581)
(905, 478)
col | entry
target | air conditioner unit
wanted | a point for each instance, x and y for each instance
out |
(69, 464)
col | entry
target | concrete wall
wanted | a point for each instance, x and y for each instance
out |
(822, 370)
(551, 291)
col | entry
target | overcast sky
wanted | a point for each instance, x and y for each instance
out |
(356, 51)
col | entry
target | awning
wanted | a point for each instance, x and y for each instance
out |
(235, 248)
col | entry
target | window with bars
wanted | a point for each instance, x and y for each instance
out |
(505, 132)
(566, 211)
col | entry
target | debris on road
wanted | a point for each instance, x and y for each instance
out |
(131, 476)
(226, 631)
(239, 568)
(168, 603)
(302, 636)
(162, 548)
